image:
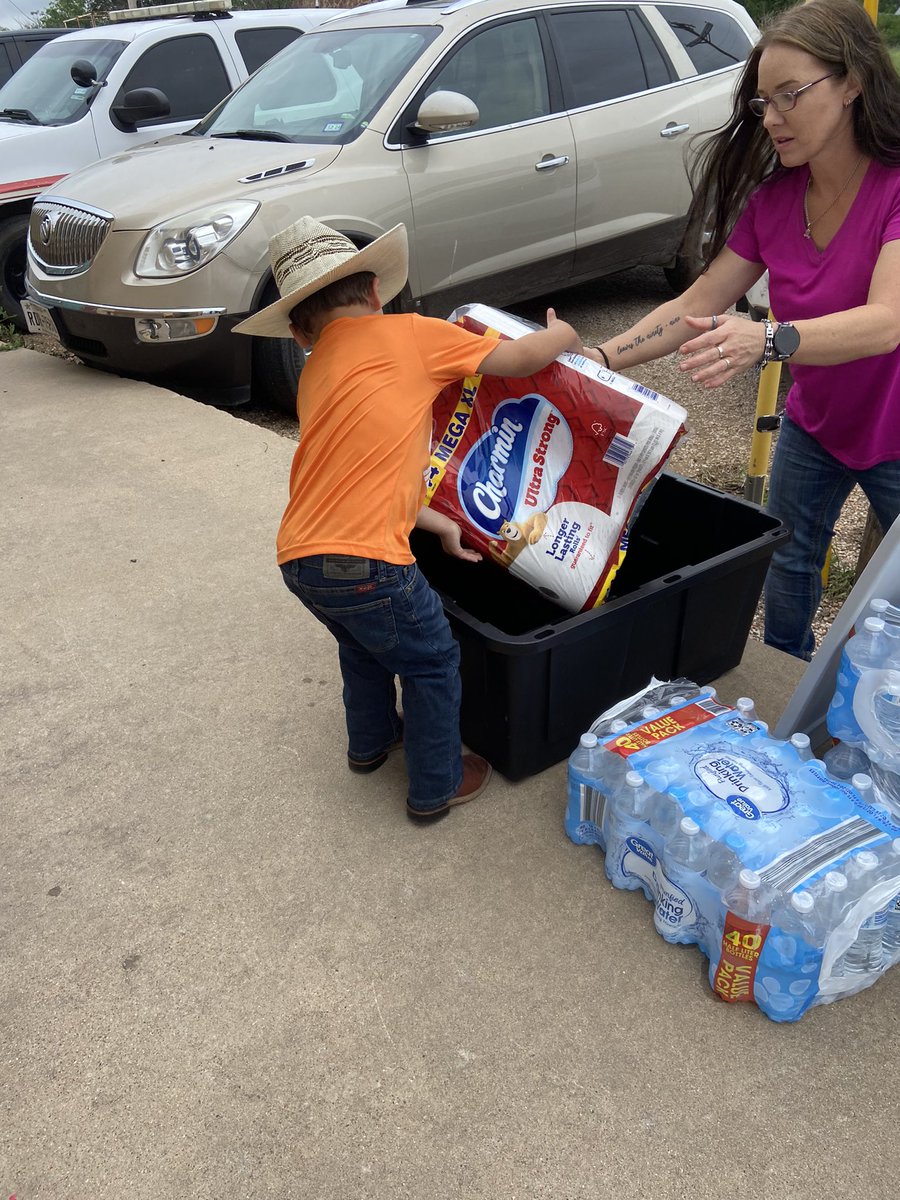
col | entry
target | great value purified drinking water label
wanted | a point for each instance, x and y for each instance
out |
(543, 473)
(749, 791)
(676, 909)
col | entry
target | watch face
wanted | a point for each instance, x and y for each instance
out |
(785, 341)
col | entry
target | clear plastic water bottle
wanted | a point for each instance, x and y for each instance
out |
(796, 920)
(830, 903)
(626, 817)
(665, 812)
(844, 760)
(864, 788)
(586, 801)
(890, 941)
(684, 861)
(801, 743)
(746, 708)
(866, 952)
(869, 647)
(725, 863)
(748, 898)
(891, 932)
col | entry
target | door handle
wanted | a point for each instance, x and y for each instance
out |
(673, 130)
(549, 161)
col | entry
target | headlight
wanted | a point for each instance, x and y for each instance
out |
(183, 244)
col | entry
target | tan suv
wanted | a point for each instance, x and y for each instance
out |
(527, 146)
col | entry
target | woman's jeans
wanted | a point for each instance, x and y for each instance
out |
(387, 621)
(807, 490)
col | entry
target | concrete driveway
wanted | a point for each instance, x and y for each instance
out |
(231, 969)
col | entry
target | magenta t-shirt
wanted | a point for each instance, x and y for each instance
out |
(852, 409)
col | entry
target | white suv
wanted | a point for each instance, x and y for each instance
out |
(526, 145)
(76, 99)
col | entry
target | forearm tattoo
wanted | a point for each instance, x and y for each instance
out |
(640, 338)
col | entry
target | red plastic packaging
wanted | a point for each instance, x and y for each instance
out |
(543, 474)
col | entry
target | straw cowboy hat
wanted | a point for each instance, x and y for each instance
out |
(307, 256)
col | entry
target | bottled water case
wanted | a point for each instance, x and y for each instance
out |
(786, 878)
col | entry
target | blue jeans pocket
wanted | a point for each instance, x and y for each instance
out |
(372, 624)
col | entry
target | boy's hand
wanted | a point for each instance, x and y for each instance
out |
(451, 543)
(449, 533)
(553, 322)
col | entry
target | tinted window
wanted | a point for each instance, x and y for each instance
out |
(188, 69)
(601, 57)
(712, 39)
(258, 45)
(28, 46)
(6, 67)
(503, 71)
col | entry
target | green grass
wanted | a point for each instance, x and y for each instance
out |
(10, 338)
(895, 58)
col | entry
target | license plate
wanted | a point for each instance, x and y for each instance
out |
(38, 319)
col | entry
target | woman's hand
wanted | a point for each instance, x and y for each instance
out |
(726, 347)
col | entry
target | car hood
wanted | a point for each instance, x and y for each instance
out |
(13, 129)
(163, 179)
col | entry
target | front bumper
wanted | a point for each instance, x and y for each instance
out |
(216, 367)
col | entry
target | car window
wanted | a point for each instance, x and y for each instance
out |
(45, 87)
(29, 46)
(188, 69)
(259, 45)
(503, 71)
(6, 67)
(324, 88)
(604, 54)
(712, 39)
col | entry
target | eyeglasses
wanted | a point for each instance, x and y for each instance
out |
(782, 101)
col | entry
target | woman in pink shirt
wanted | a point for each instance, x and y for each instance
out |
(804, 181)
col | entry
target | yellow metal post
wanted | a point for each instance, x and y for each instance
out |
(761, 441)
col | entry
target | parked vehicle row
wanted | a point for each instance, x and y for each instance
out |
(526, 144)
(97, 92)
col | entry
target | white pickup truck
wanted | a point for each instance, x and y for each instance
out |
(96, 92)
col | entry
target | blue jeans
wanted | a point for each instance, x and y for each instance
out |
(388, 622)
(807, 490)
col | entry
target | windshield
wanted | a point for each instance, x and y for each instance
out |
(323, 88)
(44, 88)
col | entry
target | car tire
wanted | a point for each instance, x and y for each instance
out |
(277, 363)
(13, 234)
(688, 264)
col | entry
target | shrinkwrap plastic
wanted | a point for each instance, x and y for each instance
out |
(544, 473)
(787, 880)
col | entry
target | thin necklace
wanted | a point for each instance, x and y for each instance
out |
(810, 223)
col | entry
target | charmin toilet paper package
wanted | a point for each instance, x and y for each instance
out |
(544, 473)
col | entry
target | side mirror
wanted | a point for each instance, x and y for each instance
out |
(83, 73)
(141, 104)
(443, 111)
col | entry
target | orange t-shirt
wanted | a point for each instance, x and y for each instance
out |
(364, 403)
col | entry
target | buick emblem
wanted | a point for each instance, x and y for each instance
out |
(45, 231)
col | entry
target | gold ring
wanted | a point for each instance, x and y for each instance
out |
(719, 348)
(727, 363)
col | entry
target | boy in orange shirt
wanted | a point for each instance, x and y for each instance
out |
(357, 487)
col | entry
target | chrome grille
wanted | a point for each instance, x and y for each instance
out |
(63, 237)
